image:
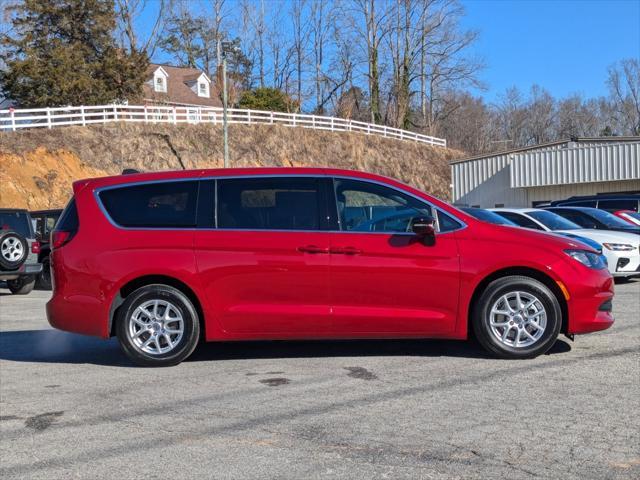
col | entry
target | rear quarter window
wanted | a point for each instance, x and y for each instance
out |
(68, 220)
(153, 205)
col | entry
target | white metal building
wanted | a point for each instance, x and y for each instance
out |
(527, 176)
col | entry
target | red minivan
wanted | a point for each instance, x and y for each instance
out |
(164, 260)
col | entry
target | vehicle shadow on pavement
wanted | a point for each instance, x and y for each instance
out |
(53, 346)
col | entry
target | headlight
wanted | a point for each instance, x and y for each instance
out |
(588, 259)
(619, 247)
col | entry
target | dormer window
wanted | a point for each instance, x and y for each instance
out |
(160, 80)
(160, 85)
(203, 88)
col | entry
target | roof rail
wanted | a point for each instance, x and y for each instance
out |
(130, 171)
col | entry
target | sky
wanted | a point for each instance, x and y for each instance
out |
(564, 46)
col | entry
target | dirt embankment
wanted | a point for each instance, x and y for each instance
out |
(38, 166)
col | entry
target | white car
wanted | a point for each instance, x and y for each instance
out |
(621, 249)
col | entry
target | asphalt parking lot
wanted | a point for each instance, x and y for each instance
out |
(73, 407)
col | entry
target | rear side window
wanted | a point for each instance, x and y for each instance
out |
(268, 203)
(578, 218)
(153, 205)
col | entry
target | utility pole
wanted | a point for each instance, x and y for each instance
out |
(225, 126)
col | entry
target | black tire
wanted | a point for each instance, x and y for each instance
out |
(504, 286)
(22, 285)
(191, 331)
(9, 242)
(44, 279)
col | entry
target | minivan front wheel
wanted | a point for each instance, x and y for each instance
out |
(517, 317)
(157, 325)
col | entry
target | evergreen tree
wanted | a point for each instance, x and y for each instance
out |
(267, 99)
(62, 52)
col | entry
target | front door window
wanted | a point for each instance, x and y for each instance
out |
(369, 207)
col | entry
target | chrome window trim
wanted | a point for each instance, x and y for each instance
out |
(97, 191)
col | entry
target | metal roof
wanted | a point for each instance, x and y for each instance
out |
(542, 146)
(582, 163)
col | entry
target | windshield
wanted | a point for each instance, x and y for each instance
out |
(609, 219)
(488, 216)
(553, 221)
(18, 222)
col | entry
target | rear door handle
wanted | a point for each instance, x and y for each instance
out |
(312, 249)
(345, 251)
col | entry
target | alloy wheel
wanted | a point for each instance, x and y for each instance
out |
(518, 319)
(156, 327)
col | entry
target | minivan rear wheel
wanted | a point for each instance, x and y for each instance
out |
(157, 326)
(517, 317)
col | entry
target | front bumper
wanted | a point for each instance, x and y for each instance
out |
(590, 303)
(623, 264)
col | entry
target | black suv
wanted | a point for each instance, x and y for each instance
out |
(609, 202)
(44, 221)
(19, 250)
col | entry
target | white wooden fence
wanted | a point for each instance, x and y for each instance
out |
(14, 119)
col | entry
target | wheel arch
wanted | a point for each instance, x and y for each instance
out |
(132, 285)
(525, 272)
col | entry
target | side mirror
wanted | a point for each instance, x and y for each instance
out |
(424, 230)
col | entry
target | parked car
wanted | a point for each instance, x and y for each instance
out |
(19, 249)
(628, 216)
(609, 202)
(488, 216)
(593, 218)
(162, 260)
(44, 221)
(493, 217)
(620, 249)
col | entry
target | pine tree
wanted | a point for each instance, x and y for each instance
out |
(62, 52)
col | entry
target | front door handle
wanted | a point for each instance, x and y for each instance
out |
(345, 251)
(312, 249)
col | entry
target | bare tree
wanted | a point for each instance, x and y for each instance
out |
(578, 118)
(541, 116)
(624, 88)
(469, 124)
(281, 53)
(446, 66)
(300, 39)
(184, 37)
(511, 118)
(368, 20)
(321, 19)
(254, 24)
(218, 32)
(128, 12)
